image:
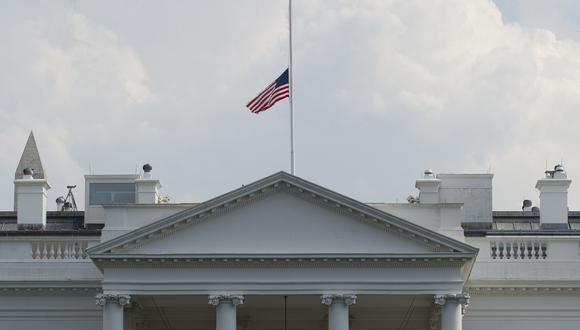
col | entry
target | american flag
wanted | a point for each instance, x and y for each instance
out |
(276, 91)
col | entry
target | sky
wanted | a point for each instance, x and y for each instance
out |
(383, 89)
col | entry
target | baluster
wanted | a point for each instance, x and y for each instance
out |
(508, 250)
(493, 250)
(544, 248)
(501, 248)
(59, 248)
(34, 250)
(85, 245)
(75, 250)
(516, 253)
(522, 250)
(44, 251)
(52, 252)
(39, 247)
(529, 247)
(536, 250)
(66, 254)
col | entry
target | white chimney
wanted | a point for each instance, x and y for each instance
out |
(428, 188)
(147, 189)
(554, 198)
(474, 191)
(31, 200)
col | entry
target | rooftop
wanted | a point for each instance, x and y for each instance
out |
(57, 224)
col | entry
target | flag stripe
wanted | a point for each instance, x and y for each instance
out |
(265, 100)
(274, 97)
(264, 97)
(261, 95)
(269, 105)
(275, 92)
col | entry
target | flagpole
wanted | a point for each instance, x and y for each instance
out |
(291, 89)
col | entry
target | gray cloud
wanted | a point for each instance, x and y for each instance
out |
(383, 90)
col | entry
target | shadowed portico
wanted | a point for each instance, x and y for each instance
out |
(268, 313)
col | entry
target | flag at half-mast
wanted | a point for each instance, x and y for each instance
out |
(276, 91)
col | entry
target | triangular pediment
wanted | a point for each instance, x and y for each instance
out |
(281, 215)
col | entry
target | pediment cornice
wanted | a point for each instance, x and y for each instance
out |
(287, 261)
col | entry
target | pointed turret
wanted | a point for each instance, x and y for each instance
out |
(30, 159)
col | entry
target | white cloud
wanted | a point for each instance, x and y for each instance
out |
(71, 81)
(464, 84)
(384, 89)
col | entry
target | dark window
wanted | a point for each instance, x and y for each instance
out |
(111, 193)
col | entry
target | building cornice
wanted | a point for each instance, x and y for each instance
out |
(50, 287)
(523, 290)
(283, 261)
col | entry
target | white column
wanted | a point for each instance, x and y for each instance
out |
(113, 309)
(225, 310)
(338, 309)
(452, 310)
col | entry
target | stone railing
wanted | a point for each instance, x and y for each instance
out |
(518, 249)
(59, 249)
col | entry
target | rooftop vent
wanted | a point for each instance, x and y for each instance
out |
(412, 199)
(59, 203)
(557, 173)
(527, 205)
(28, 173)
(428, 174)
(147, 171)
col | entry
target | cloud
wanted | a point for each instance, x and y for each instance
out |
(558, 16)
(451, 82)
(383, 90)
(72, 81)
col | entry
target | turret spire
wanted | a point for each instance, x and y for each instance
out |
(30, 159)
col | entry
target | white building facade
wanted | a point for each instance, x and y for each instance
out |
(284, 253)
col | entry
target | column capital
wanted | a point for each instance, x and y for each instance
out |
(106, 298)
(459, 298)
(235, 300)
(329, 299)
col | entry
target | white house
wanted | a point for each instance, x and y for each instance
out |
(284, 253)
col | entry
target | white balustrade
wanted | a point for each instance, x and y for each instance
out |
(59, 249)
(518, 249)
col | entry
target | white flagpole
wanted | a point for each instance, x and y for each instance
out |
(291, 90)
